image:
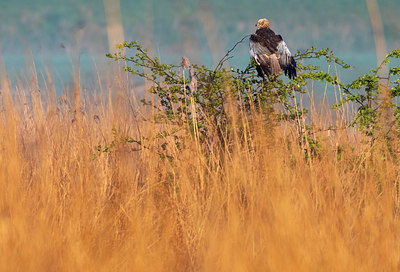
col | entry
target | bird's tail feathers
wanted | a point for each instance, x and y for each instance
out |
(270, 65)
(276, 69)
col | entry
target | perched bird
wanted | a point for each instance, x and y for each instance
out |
(270, 52)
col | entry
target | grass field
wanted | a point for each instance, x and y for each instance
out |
(255, 203)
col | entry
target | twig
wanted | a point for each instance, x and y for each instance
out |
(226, 57)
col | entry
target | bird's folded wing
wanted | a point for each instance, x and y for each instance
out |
(257, 50)
(284, 54)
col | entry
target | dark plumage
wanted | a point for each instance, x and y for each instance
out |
(270, 52)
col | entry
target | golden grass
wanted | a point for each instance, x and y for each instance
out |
(255, 207)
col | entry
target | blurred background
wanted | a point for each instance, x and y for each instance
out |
(55, 32)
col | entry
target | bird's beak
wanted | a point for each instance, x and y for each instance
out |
(256, 25)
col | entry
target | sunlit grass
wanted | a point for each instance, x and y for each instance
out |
(254, 203)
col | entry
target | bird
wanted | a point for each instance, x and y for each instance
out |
(270, 52)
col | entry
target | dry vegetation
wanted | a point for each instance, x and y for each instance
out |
(256, 205)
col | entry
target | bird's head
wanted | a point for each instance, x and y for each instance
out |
(262, 23)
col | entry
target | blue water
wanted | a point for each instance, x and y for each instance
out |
(64, 68)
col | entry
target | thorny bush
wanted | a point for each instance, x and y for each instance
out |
(197, 96)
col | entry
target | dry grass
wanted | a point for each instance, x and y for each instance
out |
(255, 207)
